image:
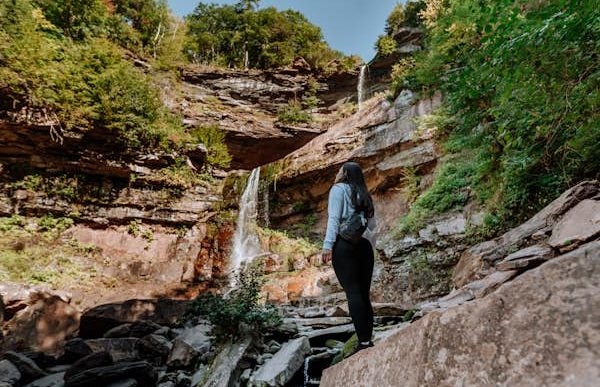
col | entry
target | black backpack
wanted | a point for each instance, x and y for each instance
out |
(352, 229)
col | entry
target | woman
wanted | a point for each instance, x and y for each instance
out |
(352, 263)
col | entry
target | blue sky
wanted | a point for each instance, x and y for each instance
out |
(351, 26)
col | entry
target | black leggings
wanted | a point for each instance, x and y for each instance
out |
(353, 266)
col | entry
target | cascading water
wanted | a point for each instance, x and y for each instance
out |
(361, 86)
(245, 239)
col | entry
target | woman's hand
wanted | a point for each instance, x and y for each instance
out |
(326, 256)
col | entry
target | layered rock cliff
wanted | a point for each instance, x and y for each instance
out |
(524, 312)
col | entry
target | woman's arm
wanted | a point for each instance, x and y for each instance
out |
(334, 212)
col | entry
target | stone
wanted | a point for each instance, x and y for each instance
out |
(332, 331)
(124, 348)
(477, 259)
(490, 283)
(199, 374)
(96, 359)
(141, 371)
(151, 346)
(9, 373)
(279, 369)
(455, 298)
(225, 368)
(27, 367)
(451, 226)
(43, 325)
(54, 380)
(189, 345)
(318, 322)
(75, 349)
(526, 257)
(122, 330)
(124, 383)
(387, 309)
(579, 224)
(540, 329)
(98, 320)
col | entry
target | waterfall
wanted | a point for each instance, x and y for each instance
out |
(361, 86)
(245, 239)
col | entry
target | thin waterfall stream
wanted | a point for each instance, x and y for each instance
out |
(246, 244)
(361, 86)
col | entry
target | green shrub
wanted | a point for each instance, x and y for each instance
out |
(294, 114)
(213, 138)
(521, 81)
(239, 310)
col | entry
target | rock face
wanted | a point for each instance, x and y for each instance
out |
(540, 329)
(245, 103)
(383, 139)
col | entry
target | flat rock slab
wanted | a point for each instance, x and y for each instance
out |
(224, 370)
(141, 371)
(526, 257)
(579, 224)
(54, 380)
(8, 372)
(119, 349)
(540, 329)
(491, 282)
(279, 369)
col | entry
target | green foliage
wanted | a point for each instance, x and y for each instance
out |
(180, 174)
(348, 349)
(403, 15)
(213, 138)
(294, 114)
(386, 45)
(31, 252)
(240, 35)
(522, 80)
(287, 245)
(74, 75)
(240, 310)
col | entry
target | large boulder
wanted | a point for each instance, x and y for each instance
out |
(43, 325)
(190, 344)
(225, 369)
(540, 329)
(279, 370)
(98, 320)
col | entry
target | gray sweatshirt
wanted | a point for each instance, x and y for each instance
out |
(339, 208)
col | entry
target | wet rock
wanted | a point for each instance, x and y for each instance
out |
(580, 224)
(122, 330)
(9, 373)
(388, 309)
(279, 369)
(27, 367)
(224, 370)
(189, 345)
(124, 348)
(54, 380)
(96, 321)
(199, 374)
(540, 329)
(141, 371)
(97, 359)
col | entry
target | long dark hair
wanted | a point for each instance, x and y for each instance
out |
(361, 198)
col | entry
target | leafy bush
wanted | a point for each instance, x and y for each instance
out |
(294, 114)
(521, 80)
(81, 83)
(213, 137)
(239, 311)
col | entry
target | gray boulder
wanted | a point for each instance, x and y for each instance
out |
(279, 369)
